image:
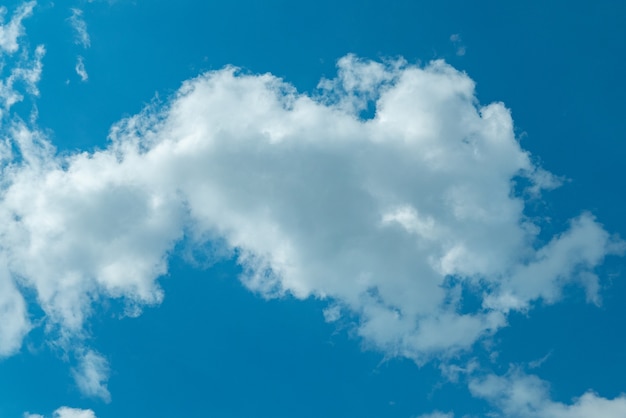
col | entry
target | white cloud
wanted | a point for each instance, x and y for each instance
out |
(80, 69)
(332, 313)
(26, 72)
(13, 30)
(517, 395)
(560, 261)
(80, 28)
(92, 374)
(66, 412)
(15, 323)
(279, 177)
(535, 364)
(387, 218)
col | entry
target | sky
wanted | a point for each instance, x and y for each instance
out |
(312, 209)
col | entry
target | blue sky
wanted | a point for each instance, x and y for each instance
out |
(291, 209)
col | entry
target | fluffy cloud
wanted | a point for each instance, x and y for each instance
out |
(389, 218)
(66, 412)
(518, 395)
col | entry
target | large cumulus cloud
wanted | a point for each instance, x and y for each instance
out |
(387, 217)
(390, 193)
(390, 216)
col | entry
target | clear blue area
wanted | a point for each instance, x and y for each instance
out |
(215, 350)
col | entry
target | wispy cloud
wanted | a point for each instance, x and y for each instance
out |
(11, 32)
(458, 44)
(92, 375)
(535, 364)
(24, 74)
(80, 69)
(438, 414)
(81, 36)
